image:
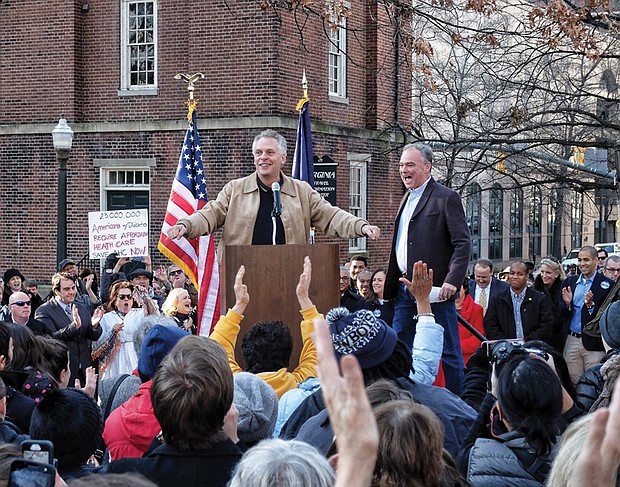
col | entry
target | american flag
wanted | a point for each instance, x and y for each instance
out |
(196, 257)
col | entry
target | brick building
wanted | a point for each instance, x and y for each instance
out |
(109, 65)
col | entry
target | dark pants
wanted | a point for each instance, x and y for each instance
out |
(445, 315)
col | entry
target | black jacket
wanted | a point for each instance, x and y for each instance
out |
(168, 467)
(18, 406)
(353, 302)
(554, 292)
(78, 340)
(591, 383)
(536, 316)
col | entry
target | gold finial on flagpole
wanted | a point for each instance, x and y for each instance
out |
(190, 80)
(304, 85)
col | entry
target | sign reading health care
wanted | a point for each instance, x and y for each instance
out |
(125, 232)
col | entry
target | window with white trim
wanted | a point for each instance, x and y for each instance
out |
(138, 47)
(125, 183)
(358, 176)
(338, 62)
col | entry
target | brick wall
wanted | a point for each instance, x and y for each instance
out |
(252, 61)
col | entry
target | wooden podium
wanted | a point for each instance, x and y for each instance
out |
(271, 275)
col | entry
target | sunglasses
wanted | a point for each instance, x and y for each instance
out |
(175, 273)
(21, 303)
(124, 297)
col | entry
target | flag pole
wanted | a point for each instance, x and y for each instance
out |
(196, 257)
(303, 158)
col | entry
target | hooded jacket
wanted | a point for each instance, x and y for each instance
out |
(130, 428)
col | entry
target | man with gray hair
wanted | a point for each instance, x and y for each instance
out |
(431, 227)
(246, 207)
(349, 299)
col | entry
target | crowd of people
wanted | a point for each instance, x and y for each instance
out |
(124, 387)
(425, 375)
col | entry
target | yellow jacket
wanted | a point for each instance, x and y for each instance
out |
(227, 329)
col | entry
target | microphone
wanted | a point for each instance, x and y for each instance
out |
(277, 203)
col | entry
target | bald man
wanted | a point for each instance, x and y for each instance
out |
(19, 313)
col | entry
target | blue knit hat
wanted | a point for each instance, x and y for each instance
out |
(361, 334)
(157, 344)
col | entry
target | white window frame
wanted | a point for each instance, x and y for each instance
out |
(337, 63)
(121, 165)
(126, 88)
(358, 199)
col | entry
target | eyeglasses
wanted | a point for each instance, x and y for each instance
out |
(21, 303)
(175, 273)
(344, 278)
(612, 270)
(124, 296)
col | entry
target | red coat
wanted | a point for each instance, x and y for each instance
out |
(131, 427)
(473, 313)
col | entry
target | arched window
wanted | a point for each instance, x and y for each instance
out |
(496, 222)
(516, 223)
(473, 207)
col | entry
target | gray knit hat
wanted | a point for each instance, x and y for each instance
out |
(257, 404)
(128, 387)
(610, 325)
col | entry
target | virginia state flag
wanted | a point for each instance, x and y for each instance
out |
(303, 162)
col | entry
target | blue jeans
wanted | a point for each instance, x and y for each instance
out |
(445, 315)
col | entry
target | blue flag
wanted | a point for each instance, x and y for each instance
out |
(303, 160)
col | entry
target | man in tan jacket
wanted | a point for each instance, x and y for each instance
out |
(244, 207)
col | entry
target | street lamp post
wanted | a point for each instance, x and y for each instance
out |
(63, 139)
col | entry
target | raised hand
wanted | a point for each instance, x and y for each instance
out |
(241, 292)
(350, 414)
(76, 317)
(303, 286)
(97, 315)
(90, 383)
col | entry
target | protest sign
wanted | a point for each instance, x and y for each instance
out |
(125, 232)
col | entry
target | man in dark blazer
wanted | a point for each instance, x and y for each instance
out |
(431, 227)
(484, 280)
(535, 318)
(582, 296)
(70, 321)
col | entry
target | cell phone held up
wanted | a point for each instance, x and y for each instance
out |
(29, 473)
(41, 451)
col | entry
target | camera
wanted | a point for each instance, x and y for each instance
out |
(499, 351)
